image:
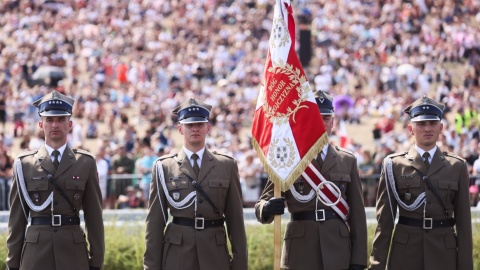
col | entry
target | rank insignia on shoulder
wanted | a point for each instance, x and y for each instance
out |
(176, 195)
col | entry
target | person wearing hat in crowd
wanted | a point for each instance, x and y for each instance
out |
(202, 190)
(317, 236)
(50, 186)
(429, 190)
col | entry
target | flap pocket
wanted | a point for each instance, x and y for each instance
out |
(218, 183)
(294, 231)
(445, 184)
(31, 237)
(174, 238)
(177, 184)
(221, 239)
(344, 231)
(401, 237)
(39, 183)
(408, 182)
(75, 184)
(78, 237)
(340, 177)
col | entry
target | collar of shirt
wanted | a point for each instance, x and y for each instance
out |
(61, 149)
(324, 151)
(431, 152)
(190, 153)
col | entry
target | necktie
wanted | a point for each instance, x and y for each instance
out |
(320, 159)
(426, 156)
(55, 153)
(196, 168)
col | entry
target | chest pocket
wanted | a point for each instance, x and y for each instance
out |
(405, 183)
(341, 180)
(219, 189)
(37, 184)
(448, 189)
(177, 184)
(75, 184)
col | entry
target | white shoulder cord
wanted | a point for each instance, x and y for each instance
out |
(391, 180)
(302, 198)
(21, 181)
(178, 205)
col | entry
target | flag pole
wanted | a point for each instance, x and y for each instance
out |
(276, 232)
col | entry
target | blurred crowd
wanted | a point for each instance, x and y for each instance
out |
(128, 63)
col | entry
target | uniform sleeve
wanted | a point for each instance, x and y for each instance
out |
(463, 222)
(357, 219)
(17, 224)
(92, 209)
(267, 194)
(385, 224)
(155, 223)
(235, 223)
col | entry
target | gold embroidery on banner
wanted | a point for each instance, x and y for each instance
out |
(282, 154)
(279, 89)
(280, 35)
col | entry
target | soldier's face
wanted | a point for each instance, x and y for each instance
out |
(328, 121)
(194, 134)
(56, 128)
(426, 133)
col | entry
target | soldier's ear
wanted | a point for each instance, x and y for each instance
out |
(179, 128)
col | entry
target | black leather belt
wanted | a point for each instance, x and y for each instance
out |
(55, 220)
(426, 223)
(199, 223)
(317, 215)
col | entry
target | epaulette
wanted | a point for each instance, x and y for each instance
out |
(221, 154)
(448, 154)
(344, 150)
(27, 153)
(397, 154)
(167, 156)
(83, 152)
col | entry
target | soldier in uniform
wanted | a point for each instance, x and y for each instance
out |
(202, 190)
(50, 186)
(430, 190)
(317, 237)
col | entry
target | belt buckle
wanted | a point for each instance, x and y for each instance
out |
(427, 223)
(199, 223)
(56, 220)
(320, 215)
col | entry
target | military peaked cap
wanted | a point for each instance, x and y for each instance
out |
(324, 102)
(54, 104)
(193, 111)
(425, 109)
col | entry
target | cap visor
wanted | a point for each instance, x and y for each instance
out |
(425, 118)
(55, 113)
(193, 120)
(326, 111)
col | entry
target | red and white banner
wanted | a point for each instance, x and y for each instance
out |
(288, 130)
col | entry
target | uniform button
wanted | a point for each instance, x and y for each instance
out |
(55, 202)
(200, 201)
(220, 184)
(168, 238)
(55, 230)
(50, 176)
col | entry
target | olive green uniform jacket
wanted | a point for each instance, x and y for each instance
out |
(181, 247)
(414, 248)
(65, 247)
(330, 244)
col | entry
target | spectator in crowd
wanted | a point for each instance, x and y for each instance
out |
(122, 164)
(132, 199)
(6, 169)
(144, 167)
(250, 179)
(103, 169)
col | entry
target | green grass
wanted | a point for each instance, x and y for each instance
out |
(125, 247)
